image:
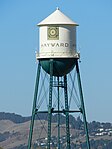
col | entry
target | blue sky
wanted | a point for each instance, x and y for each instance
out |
(19, 41)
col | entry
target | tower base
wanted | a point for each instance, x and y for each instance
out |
(59, 93)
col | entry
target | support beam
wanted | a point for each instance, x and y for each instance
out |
(67, 113)
(82, 105)
(58, 114)
(34, 107)
(60, 111)
(50, 104)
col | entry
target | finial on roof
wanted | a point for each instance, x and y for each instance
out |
(57, 8)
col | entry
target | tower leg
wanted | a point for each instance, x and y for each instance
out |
(67, 113)
(82, 105)
(58, 115)
(50, 103)
(34, 107)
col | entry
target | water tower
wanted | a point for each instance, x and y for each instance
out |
(58, 57)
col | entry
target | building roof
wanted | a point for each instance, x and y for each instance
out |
(57, 17)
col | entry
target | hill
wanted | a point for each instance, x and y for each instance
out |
(13, 117)
(14, 130)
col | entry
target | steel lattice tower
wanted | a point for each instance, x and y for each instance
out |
(57, 59)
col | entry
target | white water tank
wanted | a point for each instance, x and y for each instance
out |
(57, 37)
(57, 42)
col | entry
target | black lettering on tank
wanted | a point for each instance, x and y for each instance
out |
(61, 44)
(66, 44)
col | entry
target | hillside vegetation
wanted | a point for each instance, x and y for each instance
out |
(14, 131)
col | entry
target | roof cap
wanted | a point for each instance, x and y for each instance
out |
(57, 17)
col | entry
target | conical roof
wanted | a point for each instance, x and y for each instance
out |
(57, 17)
